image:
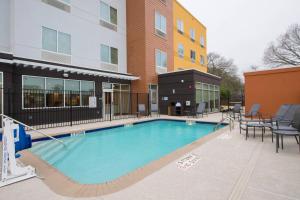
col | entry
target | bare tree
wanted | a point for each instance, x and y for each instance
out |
(225, 68)
(286, 51)
(219, 64)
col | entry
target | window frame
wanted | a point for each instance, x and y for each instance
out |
(181, 55)
(109, 6)
(180, 26)
(166, 55)
(109, 55)
(194, 53)
(64, 93)
(57, 43)
(157, 13)
(202, 41)
(193, 34)
(202, 60)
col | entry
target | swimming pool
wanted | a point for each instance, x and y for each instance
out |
(105, 155)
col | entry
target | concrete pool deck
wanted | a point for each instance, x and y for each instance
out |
(229, 168)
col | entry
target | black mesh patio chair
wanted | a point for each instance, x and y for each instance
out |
(262, 123)
(245, 118)
(294, 130)
(254, 112)
(237, 108)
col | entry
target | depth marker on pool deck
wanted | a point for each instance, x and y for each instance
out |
(187, 162)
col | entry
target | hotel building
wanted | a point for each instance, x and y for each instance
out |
(56, 54)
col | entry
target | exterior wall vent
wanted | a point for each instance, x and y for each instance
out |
(109, 67)
(161, 70)
(108, 25)
(58, 4)
(54, 57)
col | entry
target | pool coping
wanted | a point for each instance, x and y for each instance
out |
(63, 185)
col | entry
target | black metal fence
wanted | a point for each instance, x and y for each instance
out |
(48, 108)
(228, 102)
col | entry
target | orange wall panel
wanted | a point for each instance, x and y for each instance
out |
(272, 88)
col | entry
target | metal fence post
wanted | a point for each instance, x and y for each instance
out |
(149, 112)
(137, 104)
(110, 104)
(71, 109)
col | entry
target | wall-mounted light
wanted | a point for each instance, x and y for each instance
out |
(182, 81)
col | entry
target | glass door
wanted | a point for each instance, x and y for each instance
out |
(153, 97)
(108, 108)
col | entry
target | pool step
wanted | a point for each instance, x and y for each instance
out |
(56, 157)
(56, 149)
(45, 147)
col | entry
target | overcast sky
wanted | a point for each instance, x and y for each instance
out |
(241, 29)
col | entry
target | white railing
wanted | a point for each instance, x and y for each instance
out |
(33, 129)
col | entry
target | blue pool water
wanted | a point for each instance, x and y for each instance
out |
(108, 154)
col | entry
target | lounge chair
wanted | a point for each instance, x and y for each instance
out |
(201, 109)
(294, 130)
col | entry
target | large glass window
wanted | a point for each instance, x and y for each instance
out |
(41, 92)
(210, 94)
(87, 90)
(109, 54)
(72, 92)
(55, 41)
(160, 22)
(64, 43)
(54, 92)
(49, 38)
(33, 92)
(108, 13)
(160, 58)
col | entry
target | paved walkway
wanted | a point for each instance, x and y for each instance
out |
(229, 168)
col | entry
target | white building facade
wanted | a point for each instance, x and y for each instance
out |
(28, 30)
(66, 51)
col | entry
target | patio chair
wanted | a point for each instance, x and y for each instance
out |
(294, 130)
(201, 109)
(244, 118)
(141, 110)
(265, 123)
(154, 109)
(254, 112)
(236, 110)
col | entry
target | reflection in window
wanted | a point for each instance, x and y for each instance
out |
(87, 90)
(41, 92)
(33, 88)
(210, 94)
(72, 92)
(54, 92)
